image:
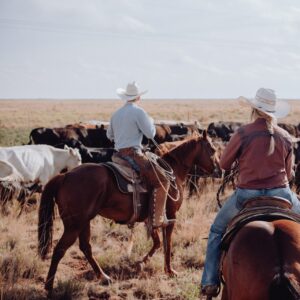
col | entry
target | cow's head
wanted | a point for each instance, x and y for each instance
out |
(74, 158)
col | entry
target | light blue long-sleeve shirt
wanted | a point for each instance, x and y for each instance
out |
(128, 125)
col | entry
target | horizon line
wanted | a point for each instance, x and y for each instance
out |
(117, 99)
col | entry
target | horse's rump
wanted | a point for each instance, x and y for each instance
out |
(261, 259)
(259, 209)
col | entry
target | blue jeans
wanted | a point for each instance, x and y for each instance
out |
(132, 163)
(230, 209)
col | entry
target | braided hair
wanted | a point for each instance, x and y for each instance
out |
(270, 122)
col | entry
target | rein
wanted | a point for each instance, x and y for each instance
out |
(232, 174)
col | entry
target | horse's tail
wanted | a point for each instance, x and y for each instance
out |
(46, 215)
(283, 287)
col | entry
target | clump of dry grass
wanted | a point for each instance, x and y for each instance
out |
(19, 266)
(67, 290)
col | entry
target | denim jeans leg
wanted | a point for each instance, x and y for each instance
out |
(288, 194)
(132, 162)
(296, 203)
(213, 253)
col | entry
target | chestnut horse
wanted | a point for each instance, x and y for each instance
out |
(263, 262)
(91, 190)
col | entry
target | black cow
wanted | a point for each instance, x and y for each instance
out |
(86, 155)
(223, 130)
(101, 154)
(185, 128)
(179, 129)
(44, 135)
(96, 137)
(90, 137)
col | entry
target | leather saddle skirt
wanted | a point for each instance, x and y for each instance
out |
(262, 209)
(126, 178)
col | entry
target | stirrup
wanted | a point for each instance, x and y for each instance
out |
(211, 290)
(166, 222)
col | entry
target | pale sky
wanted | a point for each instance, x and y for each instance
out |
(173, 48)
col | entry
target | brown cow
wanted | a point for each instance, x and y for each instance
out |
(290, 128)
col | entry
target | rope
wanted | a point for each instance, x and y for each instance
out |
(232, 174)
(160, 165)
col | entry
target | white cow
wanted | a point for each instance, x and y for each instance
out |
(39, 163)
(9, 173)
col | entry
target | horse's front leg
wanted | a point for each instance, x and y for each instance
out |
(168, 248)
(155, 246)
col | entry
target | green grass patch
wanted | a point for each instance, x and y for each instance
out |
(14, 136)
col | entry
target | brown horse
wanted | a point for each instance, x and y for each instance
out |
(91, 190)
(263, 262)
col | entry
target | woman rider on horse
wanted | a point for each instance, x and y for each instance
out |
(127, 127)
(265, 163)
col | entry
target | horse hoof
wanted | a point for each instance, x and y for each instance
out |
(105, 280)
(48, 287)
(140, 266)
(49, 295)
(172, 273)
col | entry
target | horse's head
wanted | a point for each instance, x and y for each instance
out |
(196, 151)
(206, 159)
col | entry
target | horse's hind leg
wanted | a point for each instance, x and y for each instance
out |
(66, 241)
(85, 247)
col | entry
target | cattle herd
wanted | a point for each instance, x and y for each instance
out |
(26, 169)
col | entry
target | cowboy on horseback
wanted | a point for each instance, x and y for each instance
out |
(127, 127)
(264, 154)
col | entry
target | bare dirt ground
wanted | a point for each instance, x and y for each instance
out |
(22, 273)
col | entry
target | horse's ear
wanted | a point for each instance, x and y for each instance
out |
(204, 134)
(195, 134)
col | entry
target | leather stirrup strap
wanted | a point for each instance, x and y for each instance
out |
(136, 203)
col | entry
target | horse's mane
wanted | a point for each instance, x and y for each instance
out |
(182, 149)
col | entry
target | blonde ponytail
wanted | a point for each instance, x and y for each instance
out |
(270, 122)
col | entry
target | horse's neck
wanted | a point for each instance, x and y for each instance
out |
(181, 172)
(182, 158)
(181, 168)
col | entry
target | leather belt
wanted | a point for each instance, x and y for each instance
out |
(126, 151)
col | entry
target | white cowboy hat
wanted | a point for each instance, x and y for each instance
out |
(132, 92)
(266, 101)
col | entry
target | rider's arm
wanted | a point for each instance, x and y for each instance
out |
(231, 151)
(289, 163)
(146, 124)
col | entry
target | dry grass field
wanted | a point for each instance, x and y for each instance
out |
(22, 273)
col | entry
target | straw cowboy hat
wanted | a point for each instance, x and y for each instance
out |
(266, 101)
(132, 92)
